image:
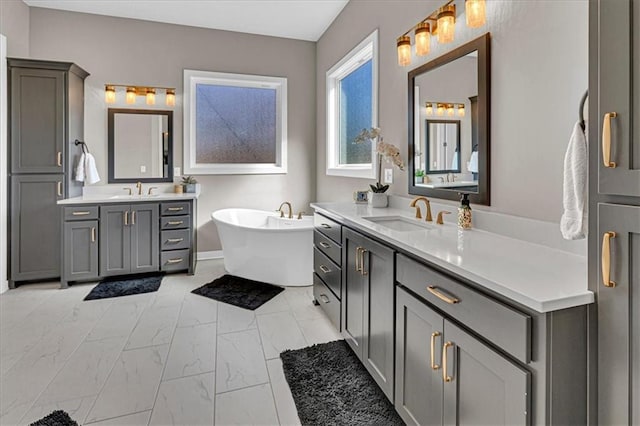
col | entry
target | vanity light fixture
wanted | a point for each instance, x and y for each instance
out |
(429, 107)
(461, 110)
(446, 23)
(170, 99)
(404, 50)
(475, 11)
(423, 38)
(110, 94)
(131, 95)
(151, 96)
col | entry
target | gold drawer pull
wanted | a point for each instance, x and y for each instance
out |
(324, 269)
(440, 295)
(606, 259)
(175, 240)
(175, 222)
(170, 261)
(324, 245)
(80, 213)
(445, 376)
(362, 252)
(358, 258)
(59, 189)
(435, 334)
(324, 298)
(133, 217)
(93, 234)
(606, 139)
(59, 159)
(126, 217)
(175, 209)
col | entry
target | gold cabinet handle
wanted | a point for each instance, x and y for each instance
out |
(175, 222)
(452, 300)
(59, 189)
(126, 217)
(80, 213)
(606, 259)
(175, 209)
(324, 269)
(445, 376)
(606, 139)
(177, 260)
(175, 240)
(133, 217)
(59, 159)
(362, 270)
(324, 245)
(93, 234)
(435, 334)
(358, 258)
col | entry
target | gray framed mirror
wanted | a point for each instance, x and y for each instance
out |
(140, 145)
(448, 124)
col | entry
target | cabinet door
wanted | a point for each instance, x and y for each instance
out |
(353, 284)
(377, 355)
(145, 229)
(619, 315)
(35, 227)
(418, 396)
(115, 240)
(37, 120)
(619, 91)
(483, 387)
(80, 250)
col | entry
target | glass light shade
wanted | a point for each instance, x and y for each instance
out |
(110, 94)
(131, 95)
(404, 50)
(446, 24)
(476, 13)
(461, 110)
(151, 96)
(429, 108)
(450, 110)
(171, 98)
(440, 110)
(423, 39)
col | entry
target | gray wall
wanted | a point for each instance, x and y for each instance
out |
(14, 24)
(147, 53)
(539, 73)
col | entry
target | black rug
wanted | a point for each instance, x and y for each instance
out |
(241, 292)
(117, 287)
(56, 418)
(330, 386)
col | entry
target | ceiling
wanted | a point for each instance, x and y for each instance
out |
(297, 19)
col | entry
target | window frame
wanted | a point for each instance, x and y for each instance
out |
(194, 77)
(366, 50)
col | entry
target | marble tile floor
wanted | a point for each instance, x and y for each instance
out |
(163, 358)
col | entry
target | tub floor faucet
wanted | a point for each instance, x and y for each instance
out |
(288, 204)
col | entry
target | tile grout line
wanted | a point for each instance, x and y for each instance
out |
(116, 417)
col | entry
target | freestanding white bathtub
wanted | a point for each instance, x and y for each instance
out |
(262, 246)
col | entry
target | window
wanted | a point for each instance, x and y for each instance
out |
(234, 123)
(352, 92)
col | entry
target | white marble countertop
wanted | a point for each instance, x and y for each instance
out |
(542, 278)
(110, 198)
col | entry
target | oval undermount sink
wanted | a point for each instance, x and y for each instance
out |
(400, 223)
(131, 197)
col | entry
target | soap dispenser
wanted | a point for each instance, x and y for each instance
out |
(464, 213)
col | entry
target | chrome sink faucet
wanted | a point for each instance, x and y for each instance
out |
(288, 204)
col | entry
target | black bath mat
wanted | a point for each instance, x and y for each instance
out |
(330, 386)
(125, 287)
(56, 418)
(241, 292)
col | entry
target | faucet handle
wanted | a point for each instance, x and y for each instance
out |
(439, 220)
(151, 189)
(129, 189)
(300, 213)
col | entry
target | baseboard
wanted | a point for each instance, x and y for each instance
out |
(208, 255)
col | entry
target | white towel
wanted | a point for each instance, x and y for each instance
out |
(454, 161)
(573, 224)
(472, 165)
(90, 169)
(80, 169)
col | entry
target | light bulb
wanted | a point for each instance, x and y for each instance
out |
(450, 110)
(110, 94)
(446, 24)
(151, 96)
(475, 10)
(440, 110)
(171, 97)
(429, 108)
(461, 110)
(404, 50)
(423, 39)
(131, 95)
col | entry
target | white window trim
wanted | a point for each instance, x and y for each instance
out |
(193, 77)
(365, 50)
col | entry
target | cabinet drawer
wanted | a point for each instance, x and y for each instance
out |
(327, 301)
(328, 247)
(81, 213)
(175, 260)
(175, 222)
(328, 227)
(174, 209)
(330, 273)
(174, 240)
(495, 321)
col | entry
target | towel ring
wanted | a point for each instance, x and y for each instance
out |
(581, 111)
(85, 148)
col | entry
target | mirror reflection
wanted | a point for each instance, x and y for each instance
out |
(442, 146)
(140, 147)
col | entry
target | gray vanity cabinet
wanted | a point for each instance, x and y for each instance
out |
(367, 305)
(81, 242)
(129, 238)
(446, 376)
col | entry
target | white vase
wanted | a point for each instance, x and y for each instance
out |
(378, 199)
